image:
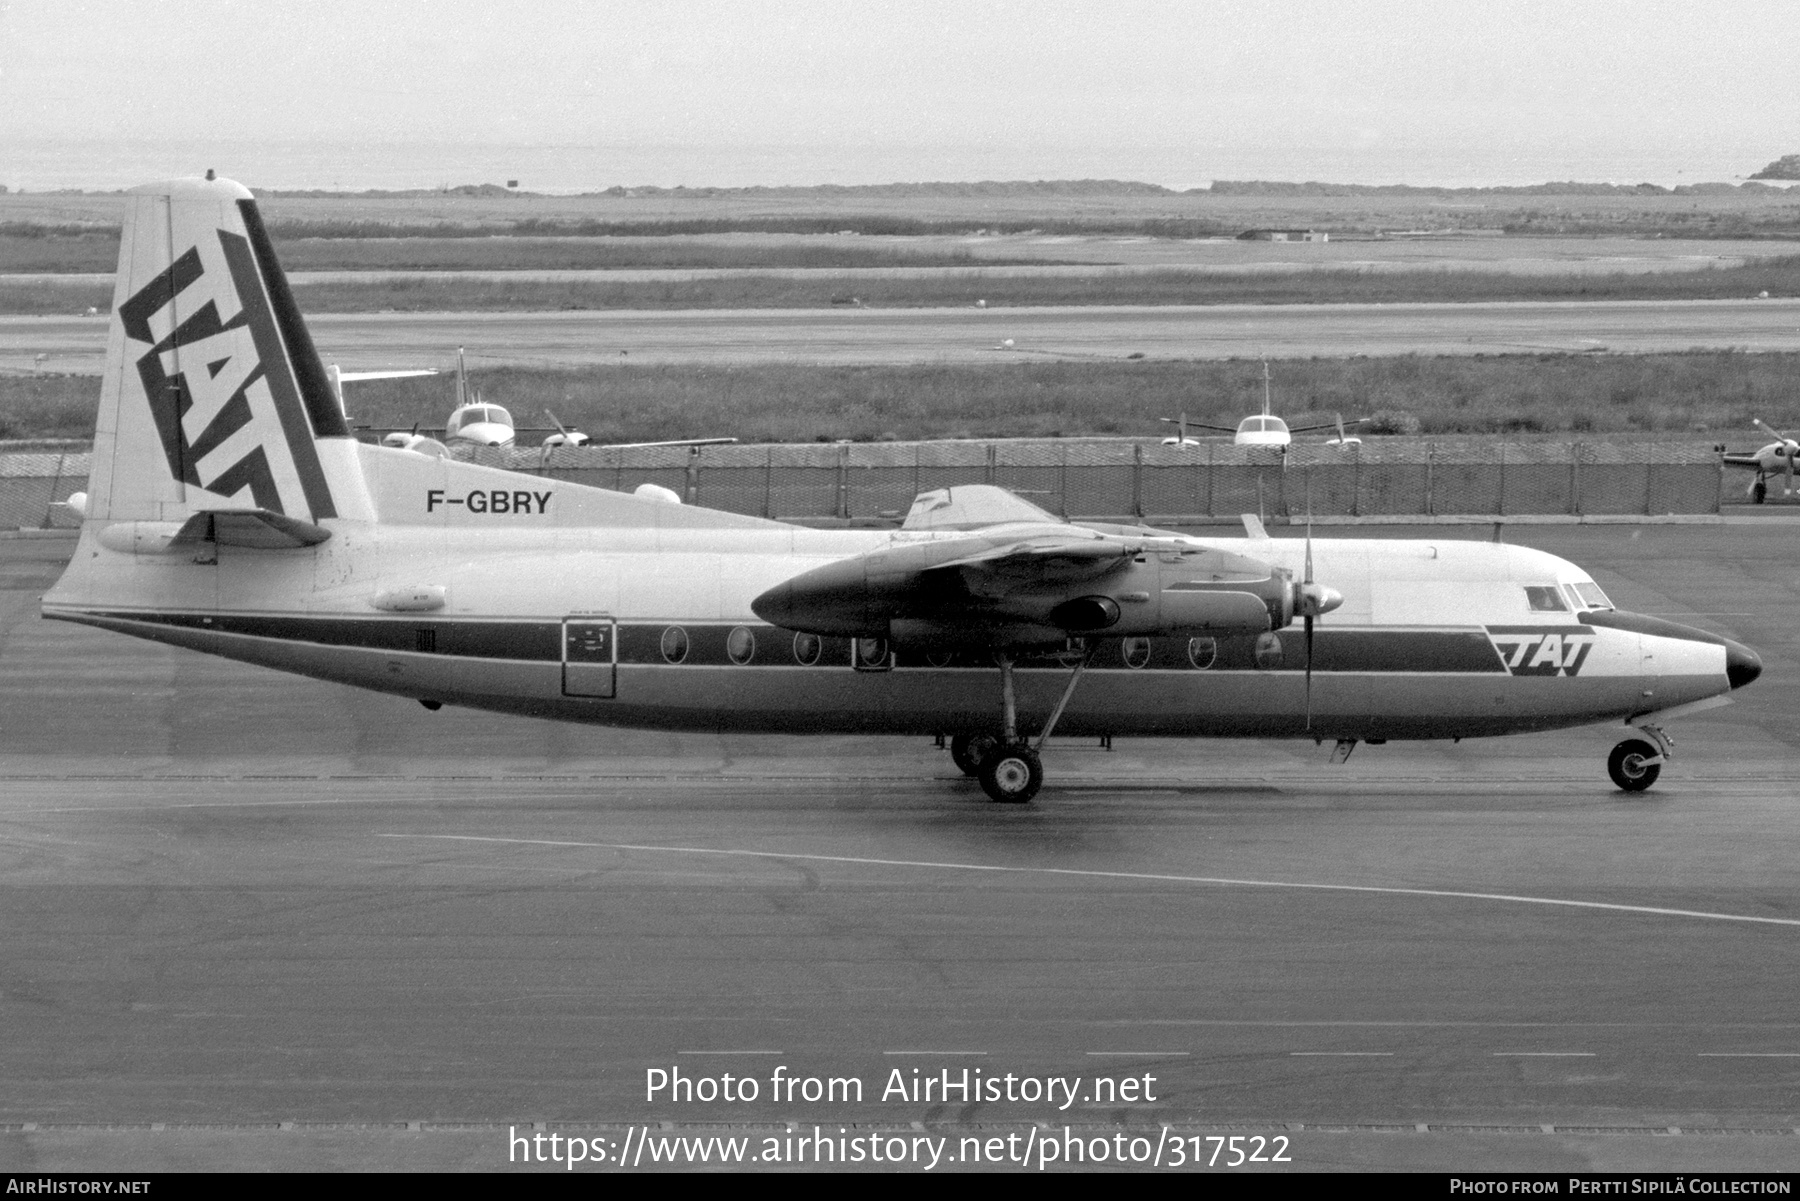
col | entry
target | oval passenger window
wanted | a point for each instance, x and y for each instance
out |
(1202, 652)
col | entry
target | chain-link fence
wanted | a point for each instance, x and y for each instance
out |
(1085, 478)
(32, 484)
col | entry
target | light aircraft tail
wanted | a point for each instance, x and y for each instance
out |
(214, 398)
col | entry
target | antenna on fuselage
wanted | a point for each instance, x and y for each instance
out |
(462, 380)
(1265, 387)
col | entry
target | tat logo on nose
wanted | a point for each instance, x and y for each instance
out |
(1540, 651)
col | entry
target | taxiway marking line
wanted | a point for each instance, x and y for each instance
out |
(934, 1052)
(1344, 1054)
(1748, 1055)
(730, 1052)
(1140, 1054)
(1095, 873)
(1544, 1054)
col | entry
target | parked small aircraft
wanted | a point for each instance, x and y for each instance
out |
(1261, 429)
(232, 512)
(475, 423)
(1773, 462)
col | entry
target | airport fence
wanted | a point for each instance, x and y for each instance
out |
(1085, 478)
(1091, 478)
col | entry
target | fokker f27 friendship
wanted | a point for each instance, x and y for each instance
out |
(232, 512)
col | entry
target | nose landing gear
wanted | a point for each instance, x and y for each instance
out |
(1635, 763)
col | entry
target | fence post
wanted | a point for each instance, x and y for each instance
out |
(992, 471)
(843, 480)
(693, 475)
(1137, 480)
(1062, 481)
(1649, 478)
(1355, 484)
(54, 484)
(1500, 509)
(1430, 458)
(1210, 470)
(1575, 478)
(768, 481)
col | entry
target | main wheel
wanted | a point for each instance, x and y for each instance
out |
(1012, 774)
(968, 750)
(1758, 491)
(1627, 768)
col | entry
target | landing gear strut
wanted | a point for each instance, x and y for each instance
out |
(1009, 767)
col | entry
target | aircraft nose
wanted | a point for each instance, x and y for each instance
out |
(1742, 665)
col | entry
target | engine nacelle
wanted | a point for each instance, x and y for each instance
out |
(931, 593)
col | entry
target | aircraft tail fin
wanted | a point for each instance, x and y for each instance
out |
(213, 397)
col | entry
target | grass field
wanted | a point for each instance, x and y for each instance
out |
(1716, 212)
(1695, 395)
(1779, 277)
(78, 253)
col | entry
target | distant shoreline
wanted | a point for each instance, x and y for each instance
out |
(1008, 188)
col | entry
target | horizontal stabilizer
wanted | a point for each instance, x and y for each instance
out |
(257, 529)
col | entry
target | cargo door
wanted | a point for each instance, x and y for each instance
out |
(590, 656)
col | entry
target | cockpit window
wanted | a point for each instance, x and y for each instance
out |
(1592, 597)
(1545, 599)
(498, 415)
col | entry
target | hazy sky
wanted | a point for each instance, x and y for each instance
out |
(942, 88)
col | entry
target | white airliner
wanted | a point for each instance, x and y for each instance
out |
(232, 512)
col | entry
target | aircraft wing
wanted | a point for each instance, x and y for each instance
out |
(1743, 460)
(1325, 425)
(435, 431)
(673, 442)
(353, 376)
(1200, 425)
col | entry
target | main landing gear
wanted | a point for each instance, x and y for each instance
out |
(1635, 763)
(1009, 767)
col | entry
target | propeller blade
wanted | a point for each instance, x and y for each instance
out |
(1309, 654)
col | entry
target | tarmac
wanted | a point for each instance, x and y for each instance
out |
(851, 335)
(256, 921)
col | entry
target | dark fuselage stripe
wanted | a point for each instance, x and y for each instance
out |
(710, 645)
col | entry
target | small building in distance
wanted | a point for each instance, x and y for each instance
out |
(1284, 235)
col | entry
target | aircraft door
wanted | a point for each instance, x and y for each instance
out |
(590, 656)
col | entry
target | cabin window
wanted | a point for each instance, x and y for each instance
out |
(1202, 652)
(674, 644)
(1592, 597)
(1268, 651)
(1135, 651)
(871, 654)
(740, 645)
(807, 648)
(1545, 598)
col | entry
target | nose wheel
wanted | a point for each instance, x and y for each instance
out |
(1634, 765)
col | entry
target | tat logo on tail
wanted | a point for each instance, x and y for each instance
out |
(219, 382)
